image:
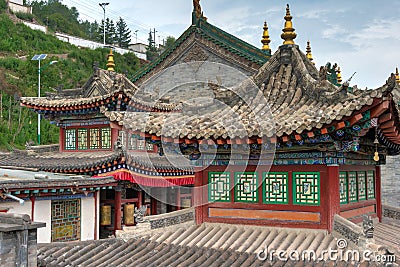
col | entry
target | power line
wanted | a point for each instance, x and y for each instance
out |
(132, 23)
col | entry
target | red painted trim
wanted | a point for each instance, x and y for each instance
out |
(62, 140)
(198, 195)
(356, 205)
(378, 192)
(117, 211)
(32, 198)
(332, 205)
(95, 214)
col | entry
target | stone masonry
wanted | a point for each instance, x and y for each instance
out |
(391, 181)
(18, 240)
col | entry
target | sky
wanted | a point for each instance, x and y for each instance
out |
(361, 36)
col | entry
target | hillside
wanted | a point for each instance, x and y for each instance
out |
(19, 77)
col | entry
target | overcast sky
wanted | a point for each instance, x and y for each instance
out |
(360, 35)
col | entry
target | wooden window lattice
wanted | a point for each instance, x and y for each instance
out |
(105, 138)
(82, 139)
(94, 138)
(371, 184)
(65, 220)
(246, 187)
(219, 186)
(306, 188)
(343, 188)
(70, 139)
(353, 192)
(275, 189)
(361, 180)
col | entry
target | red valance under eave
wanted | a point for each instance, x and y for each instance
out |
(145, 180)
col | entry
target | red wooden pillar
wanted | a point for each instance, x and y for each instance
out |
(96, 207)
(198, 200)
(62, 141)
(332, 203)
(117, 212)
(378, 190)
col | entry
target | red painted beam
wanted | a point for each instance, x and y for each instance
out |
(380, 109)
(355, 119)
(385, 117)
(340, 125)
(387, 124)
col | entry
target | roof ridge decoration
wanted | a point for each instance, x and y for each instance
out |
(265, 38)
(308, 52)
(288, 31)
(110, 61)
(202, 28)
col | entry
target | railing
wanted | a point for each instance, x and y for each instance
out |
(171, 218)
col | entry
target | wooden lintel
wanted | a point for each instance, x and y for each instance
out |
(155, 138)
(340, 125)
(378, 110)
(324, 131)
(115, 125)
(355, 119)
(285, 138)
(385, 117)
(389, 130)
(387, 124)
(297, 137)
(221, 141)
(259, 141)
(310, 134)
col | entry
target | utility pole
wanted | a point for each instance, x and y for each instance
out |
(154, 39)
(103, 6)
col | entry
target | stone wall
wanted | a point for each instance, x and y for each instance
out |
(171, 218)
(18, 240)
(391, 181)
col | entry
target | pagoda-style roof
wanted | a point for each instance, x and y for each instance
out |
(297, 101)
(202, 41)
(64, 162)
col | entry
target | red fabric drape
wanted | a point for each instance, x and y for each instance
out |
(146, 180)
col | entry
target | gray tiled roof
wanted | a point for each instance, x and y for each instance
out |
(57, 161)
(204, 245)
(297, 96)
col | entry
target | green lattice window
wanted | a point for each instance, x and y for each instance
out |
(94, 138)
(370, 184)
(219, 186)
(105, 138)
(246, 187)
(362, 184)
(352, 180)
(70, 139)
(65, 220)
(141, 143)
(343, 187)
(275, 189)
(149, 146)
(82, 139)
(306, 188)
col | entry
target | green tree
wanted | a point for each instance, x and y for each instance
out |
(123, 34)
(169, 42)
(152, 51)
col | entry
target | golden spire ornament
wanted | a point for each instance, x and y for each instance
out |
(339, 75)
(288, 31)
(397, 76)
(265, 38)
(308, 52)
(110, 61)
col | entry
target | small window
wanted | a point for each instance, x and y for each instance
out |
(70, 139)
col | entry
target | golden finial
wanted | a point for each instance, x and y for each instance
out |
(339, 75)
(265, 38)
(288, 31)
(397, 76)
(110, 61)
(308, 52)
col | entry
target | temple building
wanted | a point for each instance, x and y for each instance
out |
(242, 134)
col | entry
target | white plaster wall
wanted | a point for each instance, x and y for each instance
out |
(15, 207)
(34, 26)
(42, 213)
(15, 7)
(87, 218)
